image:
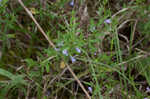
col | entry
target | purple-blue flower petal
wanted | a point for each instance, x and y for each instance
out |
(90, 89)
(72, 59)
(65, 52)
(78, 50)
(71, 3)
(108, 21)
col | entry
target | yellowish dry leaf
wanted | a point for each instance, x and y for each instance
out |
(62, 65)
(33, 11)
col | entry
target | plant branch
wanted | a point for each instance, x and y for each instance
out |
(52, 44)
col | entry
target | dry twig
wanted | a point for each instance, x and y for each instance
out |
(37, 24)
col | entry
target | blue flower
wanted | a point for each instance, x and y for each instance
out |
(65, 52)
(57, 49)
(72, 59)
(71, 3)
(108, 21)
(78, 50)
(90, 89)
(147, 89)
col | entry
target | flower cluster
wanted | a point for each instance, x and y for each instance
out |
(66, 53)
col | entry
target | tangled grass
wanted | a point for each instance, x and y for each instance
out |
(79, 49)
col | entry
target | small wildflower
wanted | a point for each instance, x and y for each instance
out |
(108, 21)
(71, 3)
(72, 59)
(90, 89)
(145, 98)
(147, 89)
(65, 52)
(57, 49)
(78, 50)
(95, 53)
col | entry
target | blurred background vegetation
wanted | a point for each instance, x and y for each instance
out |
(105, 42)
